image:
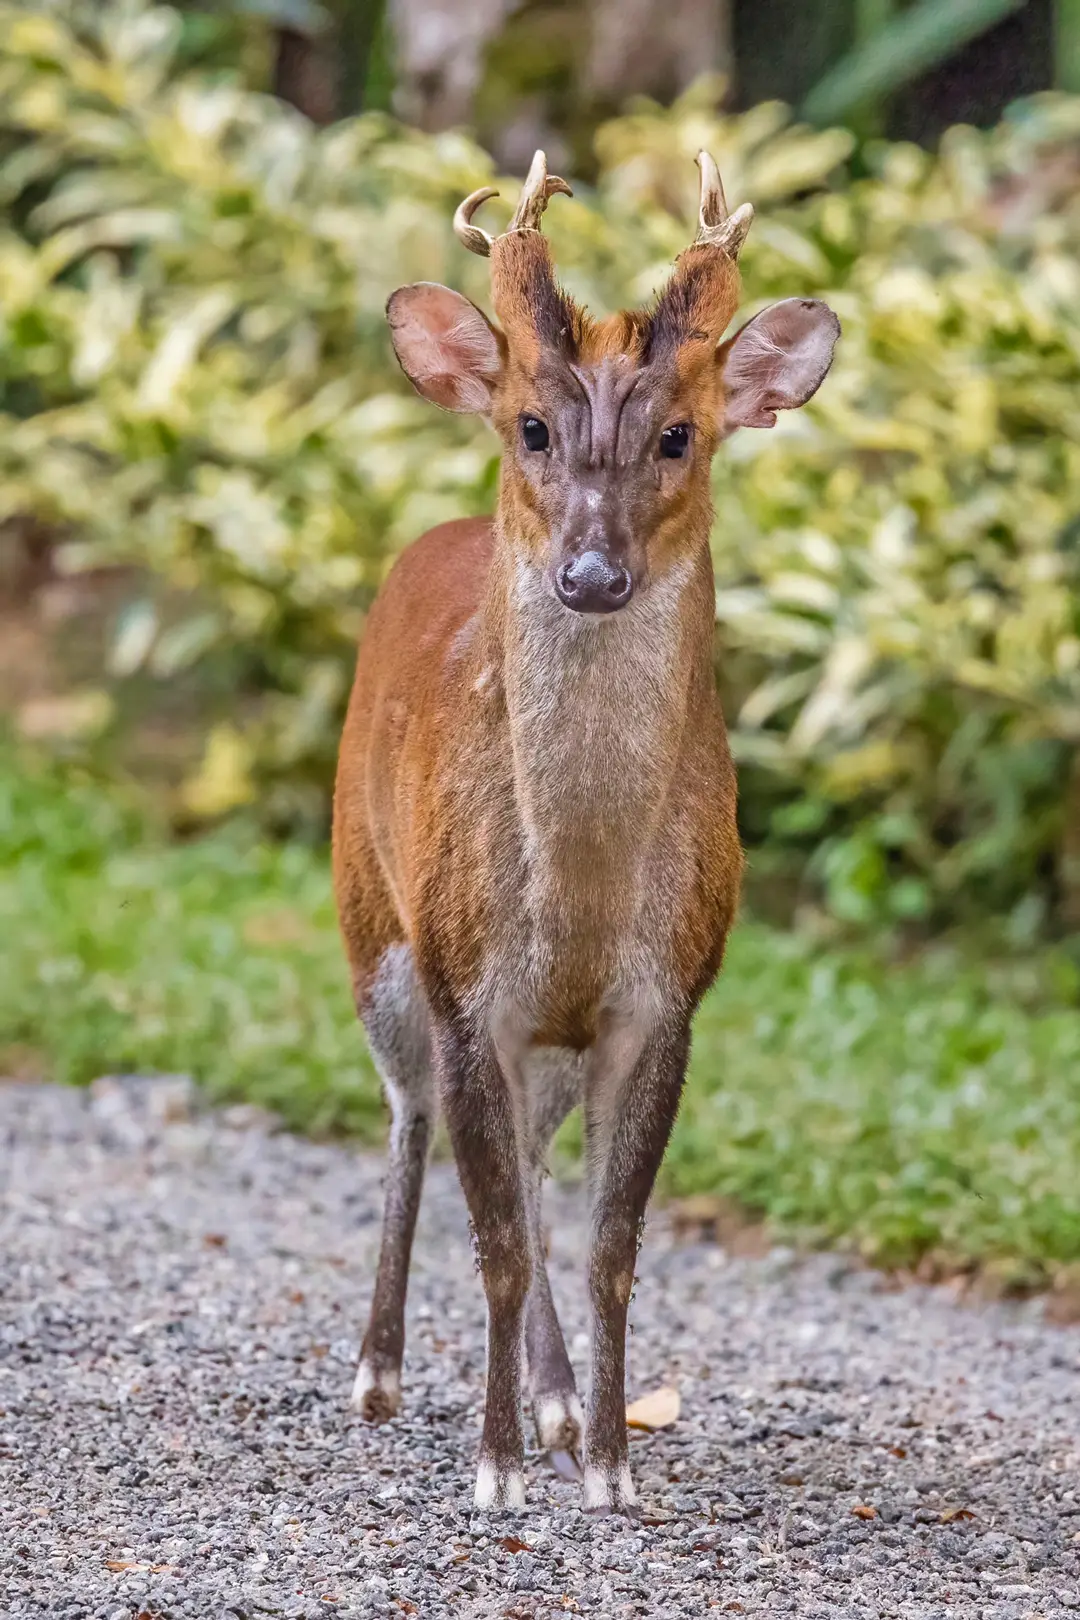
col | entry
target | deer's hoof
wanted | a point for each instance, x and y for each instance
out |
(559, 1422)
(376, 1394)
(609, 1490)
(499, 1490)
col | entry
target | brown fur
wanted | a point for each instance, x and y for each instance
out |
(534, 829)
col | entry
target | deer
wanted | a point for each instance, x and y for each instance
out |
(535, 850)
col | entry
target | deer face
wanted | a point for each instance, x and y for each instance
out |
(608, 427)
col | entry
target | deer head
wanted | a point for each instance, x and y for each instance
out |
(608, 426)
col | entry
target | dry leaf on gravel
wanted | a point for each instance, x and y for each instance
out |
(863, 1511)
(659, 1410)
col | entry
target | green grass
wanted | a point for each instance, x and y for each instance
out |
(928, 1106)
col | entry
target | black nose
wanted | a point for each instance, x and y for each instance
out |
(592, 583)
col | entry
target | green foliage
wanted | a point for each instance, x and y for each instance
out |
(196, 385)
(219, 959)
(898, 50)
(903, 1109)
(899, 572)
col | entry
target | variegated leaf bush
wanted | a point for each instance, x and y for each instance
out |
(197, 386)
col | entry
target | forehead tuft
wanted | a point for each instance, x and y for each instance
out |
(622, 335)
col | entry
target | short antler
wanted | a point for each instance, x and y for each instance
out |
(716, 227)
(538, 187)
(468, 234)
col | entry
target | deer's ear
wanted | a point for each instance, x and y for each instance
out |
(776, 362)
(447, 348)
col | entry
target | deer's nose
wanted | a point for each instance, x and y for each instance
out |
(592, 583)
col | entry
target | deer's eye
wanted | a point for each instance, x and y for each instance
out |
(534, 433)
(675, 441)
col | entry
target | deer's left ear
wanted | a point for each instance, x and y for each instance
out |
(776, 362)
(447, 348)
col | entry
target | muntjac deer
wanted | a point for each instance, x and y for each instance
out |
(535, 849)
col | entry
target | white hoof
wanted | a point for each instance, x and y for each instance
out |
(499, 1490)
(609, 1490)
(376, 1393)
(559, 1422)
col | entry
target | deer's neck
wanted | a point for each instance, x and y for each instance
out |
(598, 710)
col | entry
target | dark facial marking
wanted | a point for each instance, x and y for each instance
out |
(607, 389)
(557, 317)
(674, 320)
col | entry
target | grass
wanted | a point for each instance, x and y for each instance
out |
(930, 1107)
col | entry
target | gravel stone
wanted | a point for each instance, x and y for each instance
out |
(182, 1294)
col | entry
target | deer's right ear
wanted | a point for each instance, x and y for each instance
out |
(447, 348)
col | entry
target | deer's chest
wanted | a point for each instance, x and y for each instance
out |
(597, 717)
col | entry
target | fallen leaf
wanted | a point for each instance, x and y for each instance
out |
(320, 1351)
(863, 1511)
(656, 1411)
(995, 1417)
(406, 1607)
(956, 1513)
(792, 1479)
(898, 1451)
(118, 1564)
(215, 1240)
(511, 1544)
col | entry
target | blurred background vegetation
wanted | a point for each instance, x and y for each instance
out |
(208, 459)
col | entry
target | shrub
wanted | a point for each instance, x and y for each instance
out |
(899, 576)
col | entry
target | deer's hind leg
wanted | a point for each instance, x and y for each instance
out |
(394, 1011)
(554, 1080)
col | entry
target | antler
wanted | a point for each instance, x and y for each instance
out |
(538, 187)
(716, 227)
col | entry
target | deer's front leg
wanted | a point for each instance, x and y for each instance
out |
(629, 1111)
(480, 1116)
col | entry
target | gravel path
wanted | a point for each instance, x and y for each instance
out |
(181, 1305)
